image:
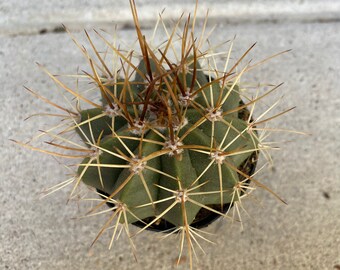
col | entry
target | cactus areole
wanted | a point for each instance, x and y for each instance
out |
(169, 145)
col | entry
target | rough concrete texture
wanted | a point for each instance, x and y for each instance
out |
(305, 234)
(28, 17)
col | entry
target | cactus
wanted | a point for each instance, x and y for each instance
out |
(170, 140)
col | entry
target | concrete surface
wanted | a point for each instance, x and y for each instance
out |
(305, 234)
(34, 16)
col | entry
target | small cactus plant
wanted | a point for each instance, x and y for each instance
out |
(167, 143)
(171, 141)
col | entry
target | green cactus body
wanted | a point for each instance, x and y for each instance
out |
(177, 154)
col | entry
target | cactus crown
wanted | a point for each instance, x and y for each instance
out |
(171, 138)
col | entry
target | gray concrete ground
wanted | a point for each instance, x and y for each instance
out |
(34, 16)
(305, 234)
